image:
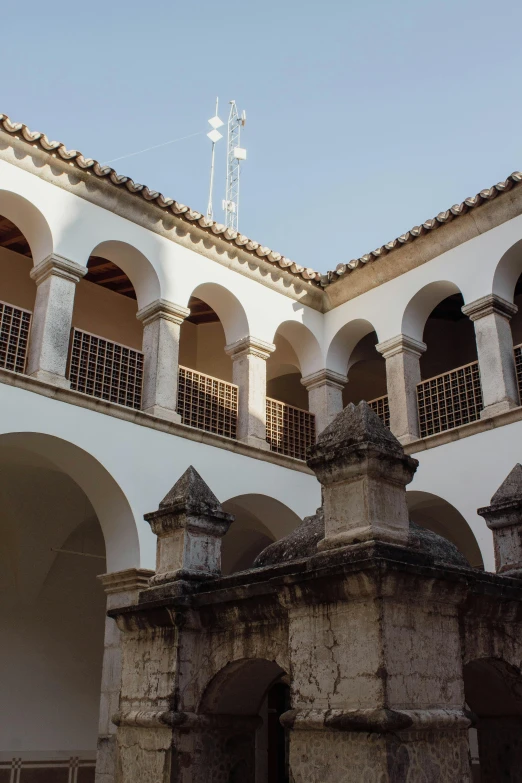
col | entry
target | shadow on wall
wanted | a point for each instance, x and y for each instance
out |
(259, 521)
(436, 514)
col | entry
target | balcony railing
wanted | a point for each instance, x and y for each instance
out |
(14, 336)
(289, 430)
(449, 400)
(105, 369)
(207, 403)
(381, 408)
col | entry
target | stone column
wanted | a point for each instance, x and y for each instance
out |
(491, 315)
(325, 396)
(56, 279)
(249, 356)
(363, 471)
(504, 518)
(402, 356)
(122, 589)
(161, 330)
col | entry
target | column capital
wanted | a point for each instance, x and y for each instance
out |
(125, 581)
(487, 305)
(324, 378)
(59, 266)
(250, 346)
(401, 344)
(161, 308)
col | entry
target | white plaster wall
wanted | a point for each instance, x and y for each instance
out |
(144, 464)
(64, 223)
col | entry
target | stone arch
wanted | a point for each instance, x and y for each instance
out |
(304, 343)
(136, 266)
(507, 272)
(229, 309)
(239, 688)
(343, 343)
(420, 306)
(30, 221)
(106, 497)
(433, 512)
(259, 521)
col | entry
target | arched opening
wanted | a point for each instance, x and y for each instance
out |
(436, 514)
(450, 393)
(259, 521)
(297, 355)
(52, 614)
(255, 748)
(17, 295)
(366, 373)
(207, 398)
(493, 692)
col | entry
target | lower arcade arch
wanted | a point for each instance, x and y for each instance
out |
(438, 515)
(259, 521)
(493, 693)
(52, 610)
(255, 748)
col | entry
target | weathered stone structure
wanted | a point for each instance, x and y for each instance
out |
(391, 644)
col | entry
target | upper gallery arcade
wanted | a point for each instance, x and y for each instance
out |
(120, 301)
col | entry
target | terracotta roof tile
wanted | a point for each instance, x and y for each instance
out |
(180, 210)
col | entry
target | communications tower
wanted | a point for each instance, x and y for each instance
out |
(235, 155)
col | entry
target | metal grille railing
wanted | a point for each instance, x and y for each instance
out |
(14, 336)
(518, 367)
(449, 400)
(289, 430)
(207, 403)
(381, 408)
(105, 369)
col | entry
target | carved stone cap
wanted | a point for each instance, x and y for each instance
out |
(401, 344)
(59, 267)
(487, 305)
(250, 346)
(190, 497)
(126, 581)
(506, 504)
(354, 435)
(324, 378)
(161, 308)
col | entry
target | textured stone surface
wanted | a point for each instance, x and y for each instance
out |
(402, 355)
(511, 487)
(504, 517)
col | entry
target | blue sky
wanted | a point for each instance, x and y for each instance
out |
(363, 118)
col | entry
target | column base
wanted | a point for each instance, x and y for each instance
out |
(258, 443)
(51, 377)
(163, 413)
(498, 407)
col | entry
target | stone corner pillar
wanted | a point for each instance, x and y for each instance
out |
(364, 472)
(402, 355)
(122, 588)
(189, 525)
(325, 396)
(56, 279)
(161, 333)
(504, 518)
(249, 356)
(491, 315)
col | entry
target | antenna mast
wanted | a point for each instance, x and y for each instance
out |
(235, 154)
(214, 135)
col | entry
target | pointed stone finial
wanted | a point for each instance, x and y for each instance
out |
(190, 524)
(504, 518)
(364, 472)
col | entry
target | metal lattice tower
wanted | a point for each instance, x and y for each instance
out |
(235, 154)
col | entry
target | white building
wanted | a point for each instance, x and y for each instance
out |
(137, 338)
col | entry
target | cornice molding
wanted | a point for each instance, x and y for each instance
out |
(401, 344)
(58, 266)
(161, 308)
(488, 305)
(250, 346)
(324, 378)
